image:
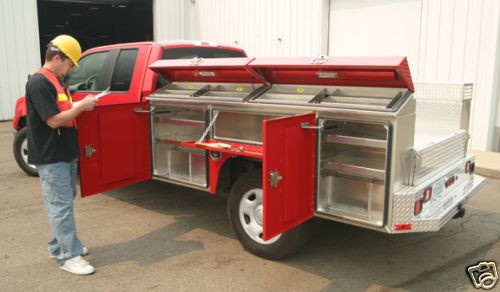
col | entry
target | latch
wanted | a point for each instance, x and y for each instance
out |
(143, 111)
(274, 178)
(89, 151)
(195, 61)
(319, 60)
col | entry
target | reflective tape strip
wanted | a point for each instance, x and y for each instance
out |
(62, 97)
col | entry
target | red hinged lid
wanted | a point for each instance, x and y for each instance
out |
(341, 71)
(228, 70)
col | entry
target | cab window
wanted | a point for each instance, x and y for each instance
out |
(189, 53)
(85, 77)
(124, 69)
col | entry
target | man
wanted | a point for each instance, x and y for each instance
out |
(53, 148)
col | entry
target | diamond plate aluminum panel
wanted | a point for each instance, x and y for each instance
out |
(437, 117)
(403, 203)
(442, 107)
(437, 212)
(422, 162)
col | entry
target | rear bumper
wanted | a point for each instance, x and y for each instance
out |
(452, 207)
(438, 211)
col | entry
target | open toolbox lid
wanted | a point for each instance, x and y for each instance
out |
(338, 71)
(226, 70)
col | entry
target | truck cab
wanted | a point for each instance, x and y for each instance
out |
(124, 69)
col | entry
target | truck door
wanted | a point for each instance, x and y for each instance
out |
(288, 172)
(114, 137)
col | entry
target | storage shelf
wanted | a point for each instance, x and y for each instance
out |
(358, 100)
(357, 141)
(220, 98)
(354, 213)
(167, 141)
(356, 171)
(176, 144)
(185, 92)
(226, 147)
(182, 122)
(281, 97)
(226, 94)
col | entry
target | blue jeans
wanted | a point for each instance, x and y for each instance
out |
(58, 183)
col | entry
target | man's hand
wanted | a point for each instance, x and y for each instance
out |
(86, 104)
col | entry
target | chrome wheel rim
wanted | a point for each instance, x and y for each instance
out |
(251, 216)
(24, 153)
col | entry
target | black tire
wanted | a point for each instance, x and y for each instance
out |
(21, 153)
(288, 242)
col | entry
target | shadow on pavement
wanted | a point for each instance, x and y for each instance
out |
(352, 258)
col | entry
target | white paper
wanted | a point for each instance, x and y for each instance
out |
(102, 94)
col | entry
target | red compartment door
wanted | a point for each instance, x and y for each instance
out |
(115, 147)
(289, 157)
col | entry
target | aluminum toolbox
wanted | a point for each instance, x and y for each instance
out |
(441, 128)
(378, 84)
(364, 127)
(181, 112)
(365, 114)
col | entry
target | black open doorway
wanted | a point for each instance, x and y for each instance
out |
(95, 23)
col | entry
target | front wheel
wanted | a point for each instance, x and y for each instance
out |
(245, 212)
(20, 149)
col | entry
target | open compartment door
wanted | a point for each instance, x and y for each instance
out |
(384, 72)
(289, 157)
(115, 147)
(229, 70)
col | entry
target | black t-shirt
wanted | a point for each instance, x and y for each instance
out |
(47, 145)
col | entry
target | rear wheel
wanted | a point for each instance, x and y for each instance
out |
(20, 149)
(245, 212)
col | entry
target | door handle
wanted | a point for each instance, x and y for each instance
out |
(89, 151)
(306, 125)
(143, 111)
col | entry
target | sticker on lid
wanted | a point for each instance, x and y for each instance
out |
(206, 74)
(333, 75)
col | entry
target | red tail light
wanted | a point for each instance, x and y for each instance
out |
(469, 167)
(427, 194)
(450, 181)
(418, 207)
(404, 226)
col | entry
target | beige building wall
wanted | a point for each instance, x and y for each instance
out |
(445, 40)
(19, 51)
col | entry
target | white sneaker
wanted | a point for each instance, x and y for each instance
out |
(84, 253)
(78, 266)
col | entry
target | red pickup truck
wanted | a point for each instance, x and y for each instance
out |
(124, 69)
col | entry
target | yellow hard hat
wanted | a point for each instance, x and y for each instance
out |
(69, 46)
